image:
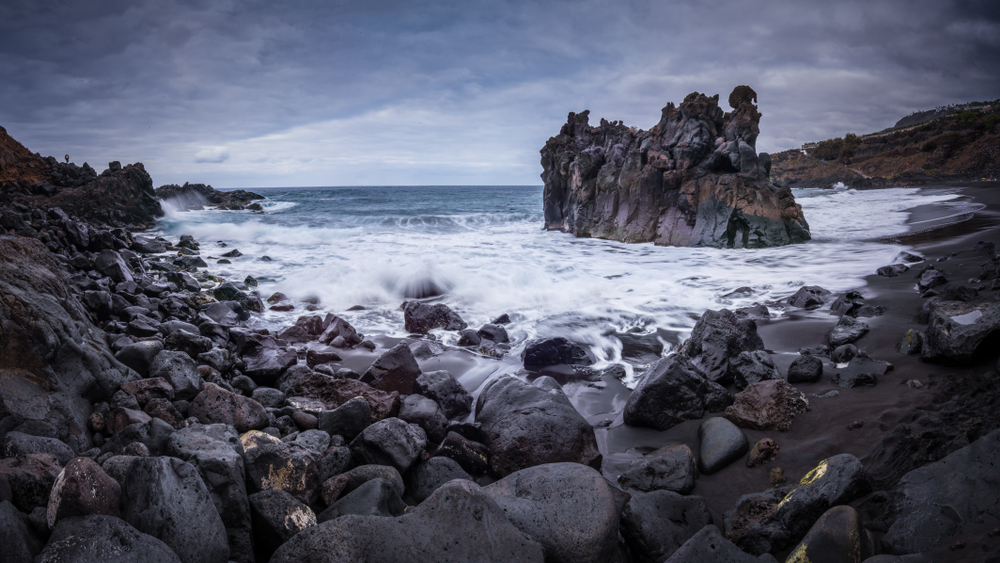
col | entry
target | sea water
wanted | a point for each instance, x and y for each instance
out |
(484, 249)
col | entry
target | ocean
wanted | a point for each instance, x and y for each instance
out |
(484, 248)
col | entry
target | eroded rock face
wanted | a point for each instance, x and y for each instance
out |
(694, 179)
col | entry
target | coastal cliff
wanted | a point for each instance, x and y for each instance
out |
(693, 179)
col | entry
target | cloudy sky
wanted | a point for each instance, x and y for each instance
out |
(263, 93)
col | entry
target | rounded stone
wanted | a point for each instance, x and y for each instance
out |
(720, 443)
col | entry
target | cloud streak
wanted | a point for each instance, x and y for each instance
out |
(256, 93)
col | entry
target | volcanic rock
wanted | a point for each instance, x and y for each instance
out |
(694, 179)
(720, 443)
(425, 478)
(277, 516)
(768, 405)
(655, 525)
(395, 370)
(671, 391)
(670, 468)
(717, 337)
(443, 388)
(89, 539)
(422, 317)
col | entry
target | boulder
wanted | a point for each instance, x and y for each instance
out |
(284, 466)
(334, 392)
(265, 363)
(861, 370)
(892, 270)
(389, 442)
(421, 318)
(473, 456)
(657, 524)
(216, 405)
(779, 518)
(768, 405)
(339, 485)
(837, 536)
(720, 443)
(424, 478)
(82, 488)
(554, 351)
(805, 369)
(566, 507)
(216, 451)
(494, 333)
(526, 426)
(752, 367)
(717, 337)
(709, 546)
(153, 434)
(145, 390)
(911, 343)
(395, 370)
(167, 499)
(125, 194)
(19, 543)
(670, 468)
(93, 538)
(419, 536)
(847, 330)
(426, 414)
(18, 443)
(30, 477)
(139, 355)
(671, 185)
(111, 264)
(179, 370)
(338, 327)
(347, 420)
(958, 333)
(945, 500)
(809, 297)
(671, 391)
(191, 343)
(277, 516)
(930, 277)
(376, 497)
(443, 388)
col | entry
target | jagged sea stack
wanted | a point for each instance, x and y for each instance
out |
(694, 179)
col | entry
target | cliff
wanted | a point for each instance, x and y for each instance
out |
(693, 179)
(956, 146)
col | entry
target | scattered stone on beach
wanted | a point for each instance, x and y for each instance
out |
(892, 270)
(762, 452)
(670, 468)
(494, 332)
(862, 370)
(655, 525)
(717, 337)
(805, 369)
(671, 391)
(720, 443)
(837, 536)
(469, 337)
(389, 442)
(958, 332)
(775, 476)
(753, 367)
(911, 343)
(421, 318)
(768, 405)
(930, 277)
(809, 297)
(778, 518)
(847, 330)
(843, 353)
(525, 425)
(337, 327)
(553, 351)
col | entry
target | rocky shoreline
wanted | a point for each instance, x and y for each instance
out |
(140, 417)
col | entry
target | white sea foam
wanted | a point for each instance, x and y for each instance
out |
(551, 283)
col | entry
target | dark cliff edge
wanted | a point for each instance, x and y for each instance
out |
(693, 179)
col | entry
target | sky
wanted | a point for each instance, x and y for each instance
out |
(271, 93)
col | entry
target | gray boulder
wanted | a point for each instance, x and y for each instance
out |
(670, 468)
(93, 538)
(768, 405)
(421, 318)
(752, 367)
(566, 507)
(525, 426)
(837, 536)
(19, 543)
(167, 499)
(139, 355)
(216, 405)
(376, 497)
(848, 330)
(395, 370)
(709, 546)
(657, 524)
(426, 414)
(277, 516)
(216, 451)
(111, 264)
(957, 331)
(717, 337)
(809, 297)
(671, 391)
(18, 443)
(861, 370)
(284, 466)
(82, 488)
(420, 535)
(805, 369)
(720, 443)
(553, 351)
(443, 388)
(389, 442)
(425, 478)
(347, 420)
(179, 370)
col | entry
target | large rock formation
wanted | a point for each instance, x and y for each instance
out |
(694, 179)
(193, 197)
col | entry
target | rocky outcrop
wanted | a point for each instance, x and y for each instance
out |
(193, 197)
(694, 179)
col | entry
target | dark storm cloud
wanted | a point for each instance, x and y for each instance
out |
(280, 93)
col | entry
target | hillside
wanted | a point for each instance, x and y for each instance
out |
(955, 146)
